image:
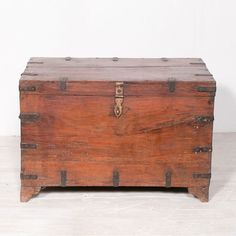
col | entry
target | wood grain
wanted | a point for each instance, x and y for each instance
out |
(78, 141)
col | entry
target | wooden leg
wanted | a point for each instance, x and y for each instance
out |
(202, 192)
(28, 192)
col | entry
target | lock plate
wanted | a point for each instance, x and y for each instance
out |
(119, 98)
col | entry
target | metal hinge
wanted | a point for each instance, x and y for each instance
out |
(201, 175)
(63, 83)
(29, 177)
(29, 117)
(28, 146)
(202, 149)
(116, 178)
(171, 84)
(119, 97)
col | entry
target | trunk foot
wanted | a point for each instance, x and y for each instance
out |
(28, 192)
(202, 192)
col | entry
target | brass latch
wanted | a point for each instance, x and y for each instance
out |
(119, 97)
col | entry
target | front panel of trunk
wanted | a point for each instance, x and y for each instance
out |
(154, 136)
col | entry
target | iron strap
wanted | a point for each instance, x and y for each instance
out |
(28, 177)
(29, 117)
(201, 175)
(116, 178)
(28, 146)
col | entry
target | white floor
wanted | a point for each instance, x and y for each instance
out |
(79, 212)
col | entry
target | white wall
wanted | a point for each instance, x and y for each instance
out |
(124, 28)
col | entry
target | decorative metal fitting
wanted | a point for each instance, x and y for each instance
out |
(202, 149)
(119, 97)
(115, 59)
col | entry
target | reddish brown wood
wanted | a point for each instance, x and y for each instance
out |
(122, 62)
(106, 88)
(27, 192)
(75, 139)
(201, 192)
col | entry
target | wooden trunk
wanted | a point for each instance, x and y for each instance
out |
(116, 122)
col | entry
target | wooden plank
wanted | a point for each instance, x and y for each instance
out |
(98, 174)
(145, 69)
(109, 62)
(114, 74)
(105, 88)
(64, 133)
(64, 116)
